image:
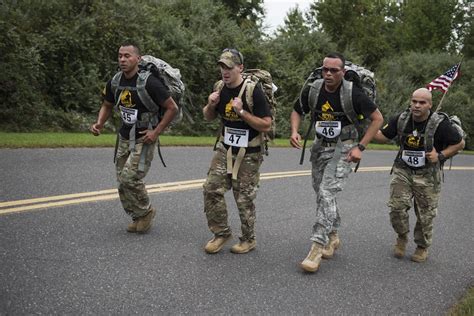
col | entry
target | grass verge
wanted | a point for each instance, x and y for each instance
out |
(73, 140)
(465, 307)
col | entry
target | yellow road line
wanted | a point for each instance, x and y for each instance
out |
(110, 194)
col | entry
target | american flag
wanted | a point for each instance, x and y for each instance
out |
(444, 81)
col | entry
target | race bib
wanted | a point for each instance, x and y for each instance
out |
(328, 129)
(236, 137)
(414, 158)
(129, 116)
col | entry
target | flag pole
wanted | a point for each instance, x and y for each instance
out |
(438, 108)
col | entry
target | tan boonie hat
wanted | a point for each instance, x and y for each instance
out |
(230, 58)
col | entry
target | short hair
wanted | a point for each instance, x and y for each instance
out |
(338, 56)
(134, 44)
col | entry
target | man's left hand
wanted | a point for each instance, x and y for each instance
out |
(432, 156)
(354, 155)
(150, 136)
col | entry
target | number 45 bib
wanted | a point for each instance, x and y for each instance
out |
(328, 129)
(129, 116)
(414, 158)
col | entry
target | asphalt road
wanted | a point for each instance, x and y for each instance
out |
(78, 258)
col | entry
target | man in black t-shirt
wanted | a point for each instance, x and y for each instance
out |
(238, 155)
(138, 133)
(417, 169)
(335, 147)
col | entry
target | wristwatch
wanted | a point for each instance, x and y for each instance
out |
(361, 147)
(241, 112)
(441, 157)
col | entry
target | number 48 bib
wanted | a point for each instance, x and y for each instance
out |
(328, 129)
(414, 158)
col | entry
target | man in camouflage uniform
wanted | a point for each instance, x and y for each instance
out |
(138, 134)
(238, 154)
(333, 152)
(417, 170)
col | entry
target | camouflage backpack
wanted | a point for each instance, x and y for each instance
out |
(432, 125)
(171, 78)
(354, 75)
(264, 78)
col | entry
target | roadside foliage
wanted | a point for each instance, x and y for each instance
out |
(56, 64)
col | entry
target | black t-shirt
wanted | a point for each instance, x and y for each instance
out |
(129, 99)
(444, 136)
(231, 119)
(331, 102)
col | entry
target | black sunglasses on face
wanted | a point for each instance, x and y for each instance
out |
(331, 70)
(235, 53)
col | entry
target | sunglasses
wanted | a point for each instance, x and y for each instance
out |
(235, 52)
(331, 70)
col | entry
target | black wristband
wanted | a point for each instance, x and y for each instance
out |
(441, 157)
(361, 147)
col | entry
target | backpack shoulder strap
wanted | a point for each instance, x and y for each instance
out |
(143, 94)
(402, 122)
(346, 101)
(314, 90)
(114, 84)
(431, 127)
(218, 86)
(250, 87)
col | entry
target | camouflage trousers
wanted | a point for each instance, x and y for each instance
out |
(244, 189)
(329, 176)
(424, 188)
(131, 188)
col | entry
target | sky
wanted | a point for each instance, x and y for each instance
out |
(277, 9)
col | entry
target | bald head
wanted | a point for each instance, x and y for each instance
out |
(423, 93)
(420, 104)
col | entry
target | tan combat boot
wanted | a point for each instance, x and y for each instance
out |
(244, 246)
(132, 227)
(334, 243)
(144, 223)
(420, 254)
(216, 243)
(312, 262)
(400, 247)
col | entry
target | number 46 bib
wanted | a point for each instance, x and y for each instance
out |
(328, 129)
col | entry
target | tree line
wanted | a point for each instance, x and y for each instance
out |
(57, 55)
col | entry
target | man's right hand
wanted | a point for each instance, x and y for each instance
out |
(295, 140)
(95, 129)
(213, 99)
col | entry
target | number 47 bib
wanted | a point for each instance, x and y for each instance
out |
(236, 137)
(328, 129)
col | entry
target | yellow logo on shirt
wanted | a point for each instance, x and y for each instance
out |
(126, 99)
(229, 113)
(413, 142)
(325, 116)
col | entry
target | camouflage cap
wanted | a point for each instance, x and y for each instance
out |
(231, 58)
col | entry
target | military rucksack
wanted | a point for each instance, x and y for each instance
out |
(169, 76)
(354, 75)
(431, 126)
(254, 77)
